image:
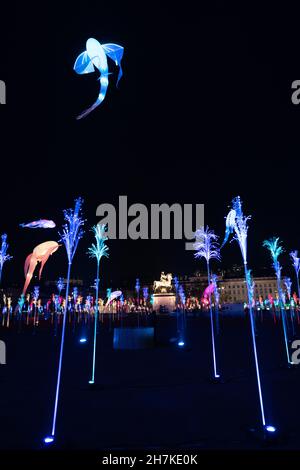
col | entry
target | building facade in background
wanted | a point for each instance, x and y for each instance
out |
(235, 290)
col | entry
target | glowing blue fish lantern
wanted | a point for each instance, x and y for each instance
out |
(95, 57)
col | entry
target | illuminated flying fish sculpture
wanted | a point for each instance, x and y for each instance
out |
(95, 57)
(40, 254)
(42, 223)
(114, 295)
(230, 225)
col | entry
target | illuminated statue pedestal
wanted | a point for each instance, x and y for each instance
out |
(164, 300)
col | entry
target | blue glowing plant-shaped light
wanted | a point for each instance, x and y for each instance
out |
(137, 288)
(72, 232)
(236, 224)
(21, 302)
(251, 285)
(3, 253)
(98, 250)
(207, 247)
(108, 292)
(276, 249)
(36, 293)
(296, 265)
(95, 57)
(75, 294)
(288, 285)
(60, 284)
(145, 293)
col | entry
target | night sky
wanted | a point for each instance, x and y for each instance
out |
(203, 113)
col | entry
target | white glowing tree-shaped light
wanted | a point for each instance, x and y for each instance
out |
(71, 233)
(236, 224)
(207, 247)
(98, 250)
(296, 265)
(3, 253)
(276, 249)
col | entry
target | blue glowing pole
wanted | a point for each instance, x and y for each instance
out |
(216, 375)
(206, 246)
(70, 236)
(61, 353)
(176, 285)
(250, 300)
(236, 223)
(181, 318)
(273, 245)
(214, 279)
(95, 326)
(97, 251)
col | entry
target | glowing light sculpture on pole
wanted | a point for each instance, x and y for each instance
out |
(95, 57)
(60, 284)
(275, 248)
(97, 251)
(137, 288)
(206, 247)
(236, 223)
(3, 253)
(288, 285)
(71, 234)
(145, 294)
(296, 265)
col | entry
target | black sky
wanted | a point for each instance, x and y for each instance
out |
(203, 113)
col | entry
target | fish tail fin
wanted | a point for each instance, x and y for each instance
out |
(101, 96)
(30, 264)
(88, 110)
